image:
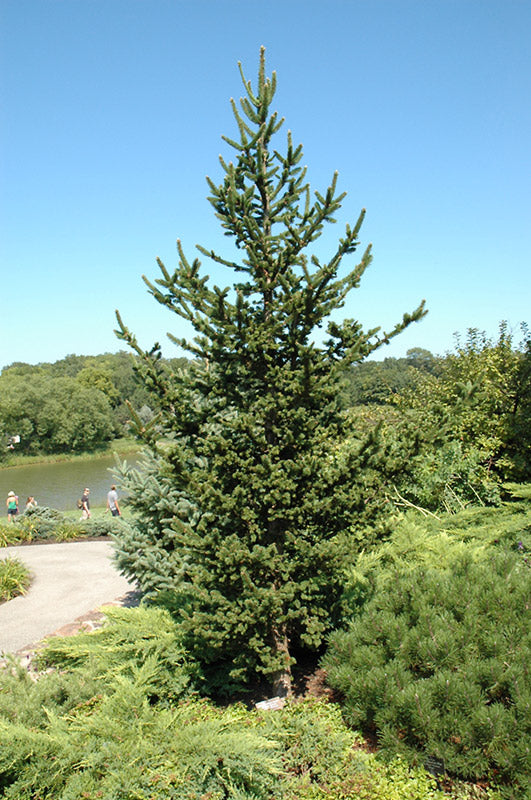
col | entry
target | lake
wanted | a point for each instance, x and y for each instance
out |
(59, 485)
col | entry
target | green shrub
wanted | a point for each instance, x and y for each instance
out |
(519, 490)
(438, 664)
(102, 526)
(324, 760)
(107, 723)
(450, 477)
(14, 578)
(127, 640)
(120, 747)
(112, 717)
(43, 523)
(429, 542)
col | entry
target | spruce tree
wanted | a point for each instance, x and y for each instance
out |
(249, 529)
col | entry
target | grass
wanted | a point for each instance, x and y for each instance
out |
(96, 511)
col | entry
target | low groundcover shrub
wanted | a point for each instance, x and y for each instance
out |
(47, 524)
(116, 714)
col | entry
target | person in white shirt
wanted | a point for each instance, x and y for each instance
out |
(112, 502)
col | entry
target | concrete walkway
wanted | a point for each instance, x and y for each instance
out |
(69, 580)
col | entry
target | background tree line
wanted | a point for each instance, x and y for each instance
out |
(76, 404)
(455, 416)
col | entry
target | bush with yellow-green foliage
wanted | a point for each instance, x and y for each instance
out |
(116, 715)
(14, 578)
(429, 542)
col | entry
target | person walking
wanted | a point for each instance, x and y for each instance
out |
(85, 504)
(112, 502)
(12, 506)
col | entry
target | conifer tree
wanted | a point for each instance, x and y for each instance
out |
(251, 543)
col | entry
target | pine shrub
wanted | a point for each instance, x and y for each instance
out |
(437, 662)
(119, 745)
(323, 760)
(96, 527)
(42, 521)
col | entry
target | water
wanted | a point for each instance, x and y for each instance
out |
(59, 485)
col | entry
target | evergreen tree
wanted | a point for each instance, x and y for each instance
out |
(253, 526)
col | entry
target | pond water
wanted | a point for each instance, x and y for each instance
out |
(59, 485)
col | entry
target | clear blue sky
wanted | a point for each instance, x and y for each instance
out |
(112, 113)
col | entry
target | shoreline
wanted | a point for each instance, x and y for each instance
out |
(117, 446)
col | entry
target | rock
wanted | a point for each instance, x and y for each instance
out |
(273, 704)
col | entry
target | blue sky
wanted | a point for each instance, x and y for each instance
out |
(112, 113)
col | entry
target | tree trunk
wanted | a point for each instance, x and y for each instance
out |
(281, 679)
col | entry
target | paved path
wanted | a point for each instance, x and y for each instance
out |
(68, 580)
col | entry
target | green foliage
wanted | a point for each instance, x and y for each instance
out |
(480, 403)
(450, 478)
(43, 523)
(127, 640)
(99, 378)
(456, 426)
(76, 404)
(258, 534)
(438, 663)
(519, 490)
(11, 533)
(146, 550)
(14, 578)
(378, 381)
(53, 415)
(122, 748)
(112, 716)
(323, 760)
(429, 542)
